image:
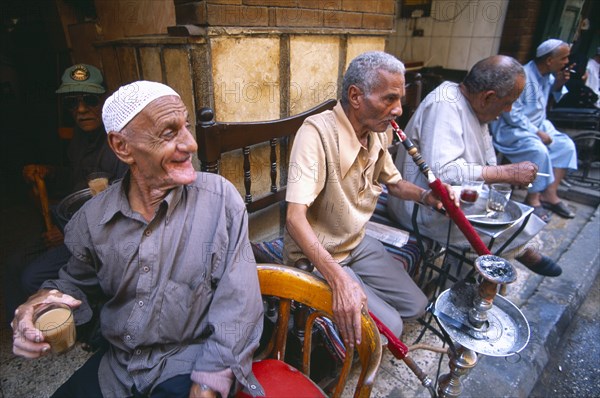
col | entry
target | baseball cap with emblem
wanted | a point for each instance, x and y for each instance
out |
(81, 78)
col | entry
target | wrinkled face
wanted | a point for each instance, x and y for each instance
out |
(494, 105)
(560, 59)
(86, 109)
(383, 103)
(161, 144)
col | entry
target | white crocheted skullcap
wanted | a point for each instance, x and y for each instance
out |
(548, 46)
(129, 100)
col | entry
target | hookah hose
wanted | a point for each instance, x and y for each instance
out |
(397, 347)
(454, 212)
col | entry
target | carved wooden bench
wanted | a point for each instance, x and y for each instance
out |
(217, 138)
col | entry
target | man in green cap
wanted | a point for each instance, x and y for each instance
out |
(82, 95)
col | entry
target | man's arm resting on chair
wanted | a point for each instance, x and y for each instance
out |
(348, 296)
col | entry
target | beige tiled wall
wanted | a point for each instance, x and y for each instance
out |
(314, 65)
(255, 77)
(246, 88)
(453, 39)
(245, 78)
(360, 44)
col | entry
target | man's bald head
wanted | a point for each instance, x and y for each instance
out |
(497, 73)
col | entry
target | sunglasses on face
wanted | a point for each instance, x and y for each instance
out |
(71, 102)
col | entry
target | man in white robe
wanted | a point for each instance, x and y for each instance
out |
(450, 129)
(593, 75)
(525, 133)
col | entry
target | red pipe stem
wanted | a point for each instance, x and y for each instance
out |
(456, 214)
(396, 347)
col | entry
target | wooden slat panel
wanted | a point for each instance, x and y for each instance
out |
(127, 64)
(215, 139)
(178, 76)
(128, 18)
(110, 67)
(82, 36)
(150, 64)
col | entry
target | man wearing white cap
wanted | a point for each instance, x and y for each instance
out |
(167, 250)
(525, 133)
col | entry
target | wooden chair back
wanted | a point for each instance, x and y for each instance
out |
(215, 138)
(289, 284)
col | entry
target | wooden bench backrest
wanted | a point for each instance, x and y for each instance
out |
(215, 138)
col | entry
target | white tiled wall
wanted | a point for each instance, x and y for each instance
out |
(456, 35)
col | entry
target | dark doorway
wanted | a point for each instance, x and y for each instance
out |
(32, 52)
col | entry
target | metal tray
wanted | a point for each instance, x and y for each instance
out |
(511, 213)
(508, 330)
(71, 203)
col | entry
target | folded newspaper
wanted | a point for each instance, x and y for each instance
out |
(390, 235)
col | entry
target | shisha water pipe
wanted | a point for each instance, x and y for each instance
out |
(397, 348)
(473, 332)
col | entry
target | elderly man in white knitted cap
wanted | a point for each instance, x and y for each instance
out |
(525, 133)
(166, 249)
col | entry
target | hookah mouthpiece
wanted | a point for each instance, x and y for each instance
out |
(412, 151)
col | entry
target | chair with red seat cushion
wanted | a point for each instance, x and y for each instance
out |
(278, 379)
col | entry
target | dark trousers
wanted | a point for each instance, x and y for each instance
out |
(84, 383)
(44, 267)
(29, 265)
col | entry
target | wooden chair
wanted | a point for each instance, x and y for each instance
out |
(216, 138)
(37, 173)
(288, 285)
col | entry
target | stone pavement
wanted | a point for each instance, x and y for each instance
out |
(573, 367)
(548, 304)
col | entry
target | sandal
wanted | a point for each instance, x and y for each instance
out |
(559, 208)
(542, 213)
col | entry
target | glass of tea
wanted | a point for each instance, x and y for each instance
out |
(469, 190)
(55, 321)
(498, 197)
(97, 182)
